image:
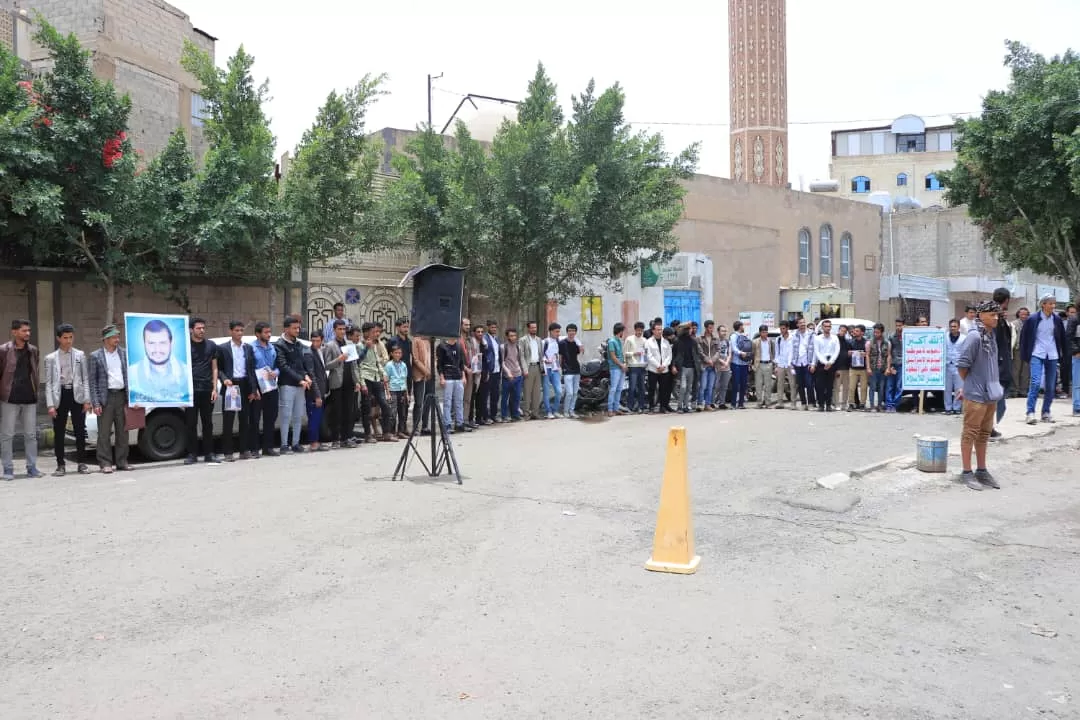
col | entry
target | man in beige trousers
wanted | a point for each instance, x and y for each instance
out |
(530, 348)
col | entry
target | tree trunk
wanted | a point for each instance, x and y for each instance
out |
(110, 301)
(273, 298)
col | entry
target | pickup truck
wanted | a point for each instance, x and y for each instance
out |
(165, 434)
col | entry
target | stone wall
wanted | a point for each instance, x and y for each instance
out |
(751, 233)
(137, 44)
(153, 110)
(47, 299)
(941, 243)
(83, 305)
(7, 29)
(13, 300)
(85, 18)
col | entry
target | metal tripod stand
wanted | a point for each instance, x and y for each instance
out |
(442, 450)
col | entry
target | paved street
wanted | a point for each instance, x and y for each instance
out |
(312, 587)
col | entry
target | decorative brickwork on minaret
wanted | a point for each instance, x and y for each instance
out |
(757, 37)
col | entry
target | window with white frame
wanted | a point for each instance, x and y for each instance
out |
(854, 144)
(845, 256)
(200, 109)
(826, 250)
(804, 252)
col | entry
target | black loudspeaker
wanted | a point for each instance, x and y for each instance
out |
(437, 295)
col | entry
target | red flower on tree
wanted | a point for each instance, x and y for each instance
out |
(35, 100)
(112, 152)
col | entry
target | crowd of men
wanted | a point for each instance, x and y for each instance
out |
(352, 374)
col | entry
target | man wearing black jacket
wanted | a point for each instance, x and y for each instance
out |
(1072, 346)
(204, 383)
(1003, 336)
(293, 382)
(236, 363)
(315, 397)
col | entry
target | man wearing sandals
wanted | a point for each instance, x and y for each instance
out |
(108, 395)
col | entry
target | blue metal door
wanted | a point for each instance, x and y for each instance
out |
(682, 305)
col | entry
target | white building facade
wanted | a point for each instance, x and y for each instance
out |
(679, 289)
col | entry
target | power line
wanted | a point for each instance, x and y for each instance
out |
(801, 123)
(874, 121)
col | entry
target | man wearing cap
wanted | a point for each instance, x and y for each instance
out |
(978, 367)
(1042, 344)
(108, 396)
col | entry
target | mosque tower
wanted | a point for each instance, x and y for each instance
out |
(757, 38)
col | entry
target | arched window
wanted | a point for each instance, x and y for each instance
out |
(826, 250)
(860, 184)
(932, 182)
(845, 256)
(804, 252)
(901, 180)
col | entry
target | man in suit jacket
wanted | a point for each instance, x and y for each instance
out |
(342, 385)
(236, 368)
(108, 396)
(762, 358)
(67, 392)
(18, 398)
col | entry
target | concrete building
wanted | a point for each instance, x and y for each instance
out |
(137, 45)
(748, 250)
(935, 263)
(15, 31)
(757, 48)
(901, 159)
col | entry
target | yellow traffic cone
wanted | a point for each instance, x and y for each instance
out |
(673, 545)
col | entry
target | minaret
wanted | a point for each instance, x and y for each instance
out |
(757, 37)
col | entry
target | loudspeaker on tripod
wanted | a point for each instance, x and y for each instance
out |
(437, 299)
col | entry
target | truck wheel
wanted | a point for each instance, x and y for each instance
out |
(164, 437)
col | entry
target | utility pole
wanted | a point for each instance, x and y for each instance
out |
(429, 80)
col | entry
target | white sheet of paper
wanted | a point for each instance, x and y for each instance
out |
(351, 353)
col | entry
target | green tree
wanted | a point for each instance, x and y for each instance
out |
(28, 197)
(1018, 169)
(325, 206)
(95, 212)
(237, 189)
(328, 206)
(553, 208)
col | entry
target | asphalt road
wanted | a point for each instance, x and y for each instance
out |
(312, 587)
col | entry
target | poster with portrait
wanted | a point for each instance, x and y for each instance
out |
(159, 360)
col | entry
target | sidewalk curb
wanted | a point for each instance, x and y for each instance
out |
(861, 472)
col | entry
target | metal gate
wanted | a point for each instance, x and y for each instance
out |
(682, 305)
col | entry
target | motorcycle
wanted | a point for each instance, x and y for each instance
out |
(595, 385)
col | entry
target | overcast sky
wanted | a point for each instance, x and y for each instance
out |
(850, 62)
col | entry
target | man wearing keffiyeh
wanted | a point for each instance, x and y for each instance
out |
(978, 366)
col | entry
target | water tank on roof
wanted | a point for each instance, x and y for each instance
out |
(822, 186)
(483, 122)
(882, 199)
(907, 203)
